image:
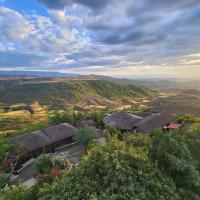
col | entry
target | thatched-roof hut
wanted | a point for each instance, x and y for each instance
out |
(148, 124)
(34, 143)
(31, 141)
(59, 132)
(122, 120)
(85, 123)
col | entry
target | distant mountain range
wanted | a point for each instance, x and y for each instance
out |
(36, 73)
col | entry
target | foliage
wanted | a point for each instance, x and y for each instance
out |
(191, 137)
(97, 117)
(5, 147)
(61, 161)
(113, 132)
(43, 164)
(19, 193)
(4, 180)
(85, 135)
(188, 118)
(60, 116)
(174, 159)
(112, 171)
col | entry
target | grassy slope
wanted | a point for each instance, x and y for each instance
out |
(71, 91)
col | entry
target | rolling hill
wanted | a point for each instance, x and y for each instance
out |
(63, 92)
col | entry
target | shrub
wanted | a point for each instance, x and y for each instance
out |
(61, 161)
(175, 160)
(112, 131)
(60, 116)
(4, 180)
(85, 135)
(192, 139)
(97, 117)
(112, 171)
(19, 193)
(5, 148)
(43, 164)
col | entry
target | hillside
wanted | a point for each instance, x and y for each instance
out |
(59, 92)
(184, 102)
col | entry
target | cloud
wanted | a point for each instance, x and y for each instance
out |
(13, 25)
(55, 4)
(60, 4)
(102, 35)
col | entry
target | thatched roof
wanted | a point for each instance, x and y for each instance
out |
(38, 139)
(121, 120)
(145, 114)
(148, 124)
(31, 141)
(59, 132)
(85, 123)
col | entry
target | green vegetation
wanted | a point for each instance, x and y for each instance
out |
(5, 148)
(19, 193)
(61, 116)
(158, 166)
(61, 92)
(4, 180)
(175, 160)
(85, 135)
(43, 164)
(188, 119)
(113, 132)
(112, 171)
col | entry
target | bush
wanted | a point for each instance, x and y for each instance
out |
(192, 139)
(85, 135)
(112, 171)
(61, 161)
(97, 117)
(19, 193)
(4, 180)
(43, 164)
(5, 147)
(60, 116)
(114, 132)
(175, 160)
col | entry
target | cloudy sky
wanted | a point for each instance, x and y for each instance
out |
(131, 38)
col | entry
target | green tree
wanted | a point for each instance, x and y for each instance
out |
(114, 171)
(192, 138)
(43, 164)
(175, 160)
(60, 116)
(85, 135)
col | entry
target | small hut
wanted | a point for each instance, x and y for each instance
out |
(148, 124)
(122, 121)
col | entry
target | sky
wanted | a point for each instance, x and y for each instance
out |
(131, 38)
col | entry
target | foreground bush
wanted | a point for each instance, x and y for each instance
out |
(43, 164)
(109, 172)
(174, 159)
(4, 180)
(19, 193)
